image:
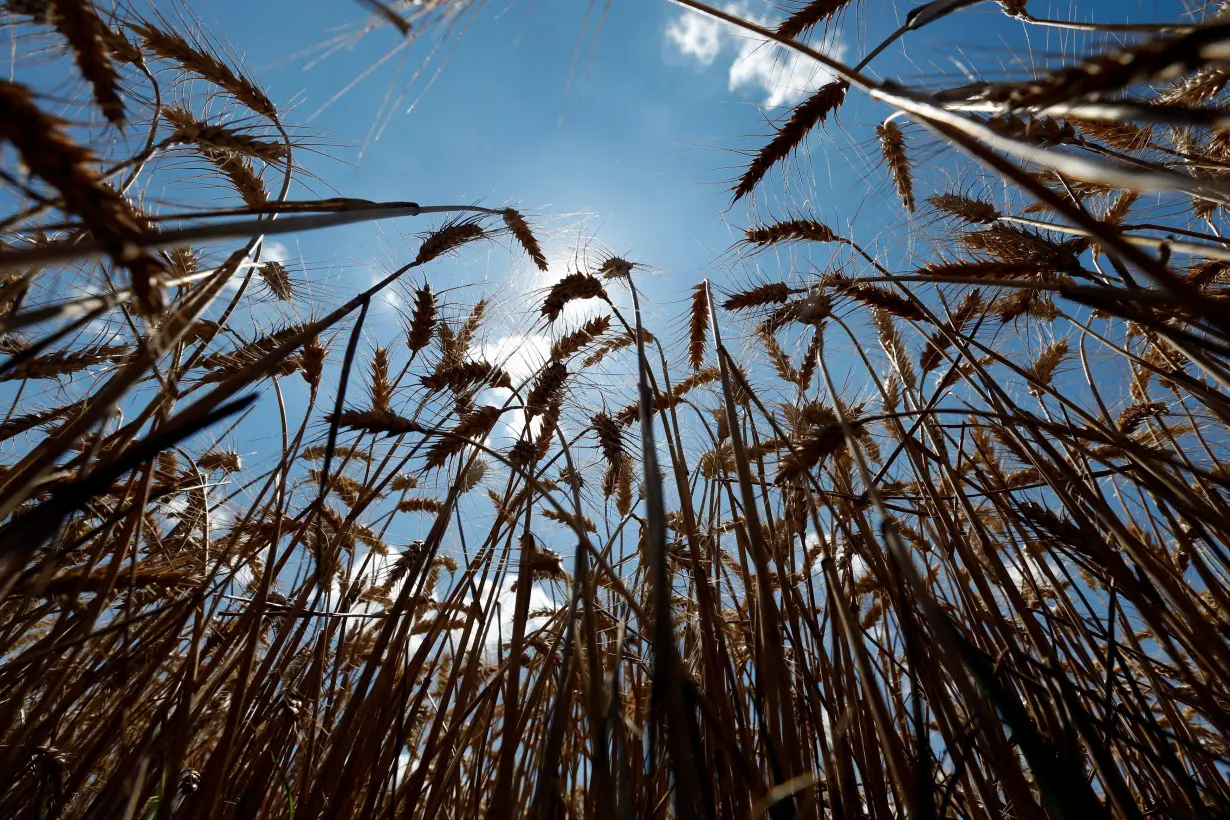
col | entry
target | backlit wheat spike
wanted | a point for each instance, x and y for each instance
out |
(892, 145)
(883, 299)
(316, 453)
(349, 490)
(623, 492)
(244, 178)
(373, 421)
(312, 362)
(890, 340)
(546, 388)
(1043, 131)
(419, 505)
(810, 451)
(1134, 415)
(249, 352)
(1118, 210)
(468, 329)
(810, 15)
(610, 437)
(810, 359)
(988, 270)
(632, 413)
(1200, 87)
(403, 482)
(17, 425)
(967, 208)
(423, 321)
(607, 348)
(475, 425)
(448, 238)
(572, 287)
(549, 428)
(698, 326)
(1202, 274)
(544, 563)
(173, 47)
(1043, 368)
(226, 462)
(767, 294)
(382, 388)
(971, 305)
(207, 138)
(50, 153)
(465, 375)
(277, 279)
(86, 34)
(779, 358)
(1013, 306)
(572, 343)
(520, 230)
(55, 365)
(577, 522)
(795, 230)
(810, 113)
(1014, 245)
(615, 268)
(1124, 136)
(1112, 70)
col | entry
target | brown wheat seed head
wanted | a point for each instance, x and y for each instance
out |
(795, 230)
(546, 388)
(766, 294)
(374, 421)
(969, 209)
(171, 46)
(572, 287)
(422, 321)
(188, 129)
(520, 230)
(78, 22)
(572, 343)
(810, 15)
(273, 630)
(468, 374)
(49, 153)
(698, 325)
(447, 238)
(811, 112)
(892, 145)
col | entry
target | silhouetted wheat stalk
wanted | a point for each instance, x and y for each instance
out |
(943, 535)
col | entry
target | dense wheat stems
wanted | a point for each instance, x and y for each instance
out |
(915, 506)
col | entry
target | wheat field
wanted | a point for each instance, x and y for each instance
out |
(931, 521)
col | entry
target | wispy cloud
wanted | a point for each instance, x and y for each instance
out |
(757, 65)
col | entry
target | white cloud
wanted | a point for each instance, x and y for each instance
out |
(696, 36)
(274, 252)
(520, 354)
(782, 76)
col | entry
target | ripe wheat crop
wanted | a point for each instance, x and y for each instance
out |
(928, 521)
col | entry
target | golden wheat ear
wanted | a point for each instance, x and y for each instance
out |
(811, 112)
(809, 16)
(698, 326)
(87, 35)
(571, 288)
(520, 229)
(892, 145)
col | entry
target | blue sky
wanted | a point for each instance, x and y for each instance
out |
(631, 137)
(636, 128)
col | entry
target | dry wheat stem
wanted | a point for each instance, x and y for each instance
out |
(182, 237)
